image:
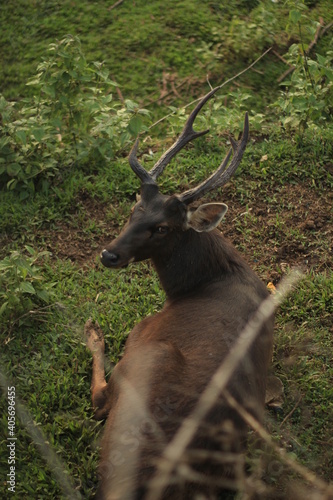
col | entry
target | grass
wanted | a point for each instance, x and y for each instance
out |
(279, 215)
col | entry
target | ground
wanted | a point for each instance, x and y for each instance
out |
(267, 244)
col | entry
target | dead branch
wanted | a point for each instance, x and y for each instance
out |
(326, 28)
(307, 474)
(286, 73)
(292, 411)
(316, 37)
(115, 5)
(320, 32)
(257, 71)
(280, 57)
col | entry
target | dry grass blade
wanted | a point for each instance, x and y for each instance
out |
(308, 475)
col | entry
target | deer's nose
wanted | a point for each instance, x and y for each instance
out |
(109, 259)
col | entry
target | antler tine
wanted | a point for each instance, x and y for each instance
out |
(186, 136)
(222, 174)
(137, 168)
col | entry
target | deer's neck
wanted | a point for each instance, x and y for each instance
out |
(194, 260)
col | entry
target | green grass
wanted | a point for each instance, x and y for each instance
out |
(284, 180)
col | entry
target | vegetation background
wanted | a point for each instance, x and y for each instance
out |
(78, 82)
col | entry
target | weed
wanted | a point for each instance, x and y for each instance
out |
(22, 287)
(307, 102)
(73, 121)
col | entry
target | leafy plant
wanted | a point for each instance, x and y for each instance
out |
(307, 102)
(22, 286)
(244, 37)
(72, 122)
(224, 115)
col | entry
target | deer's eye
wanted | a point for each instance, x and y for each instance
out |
(161, 229)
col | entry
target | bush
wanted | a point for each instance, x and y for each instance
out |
(307, 102)
(72, 121)
(22, 287)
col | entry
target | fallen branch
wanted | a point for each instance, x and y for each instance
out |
(286, 73)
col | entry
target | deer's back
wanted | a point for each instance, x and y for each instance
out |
(169, 359)
(209, 319)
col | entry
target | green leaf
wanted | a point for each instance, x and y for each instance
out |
(4, 141)
(12, 184)
(21, 135)
(322, 60)
(30, 249)
(49, 90)
(43, 295)
(131, 105)
(5, 264)
(329, 73)
(27, 287)
(295, 16)
(135, 125)
(38, 134)
(3, 307)
(13, 169)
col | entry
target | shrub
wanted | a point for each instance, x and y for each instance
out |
(22, 287)
(307, 100)
(72, 121)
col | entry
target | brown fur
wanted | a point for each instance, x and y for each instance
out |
(170, 357)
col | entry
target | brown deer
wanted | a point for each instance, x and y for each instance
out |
(170, 357)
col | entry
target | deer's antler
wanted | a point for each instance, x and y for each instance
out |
(217, 179)
(222, 174)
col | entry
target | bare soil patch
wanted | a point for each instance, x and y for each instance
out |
(295, 228)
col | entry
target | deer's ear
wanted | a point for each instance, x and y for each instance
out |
(206, 217)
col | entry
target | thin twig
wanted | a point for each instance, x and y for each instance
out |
(115, 5)
(280, 57)
(292, 411)
(218, 87)
(286, 73)
(317, 34)
(326, 28)
(160, 98)
(138, 414)
(174, 451)
(36, 311)
(307, 474)
(321, 30)
(257, 71)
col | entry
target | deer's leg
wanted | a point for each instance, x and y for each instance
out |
(274, 393)
(95, 343)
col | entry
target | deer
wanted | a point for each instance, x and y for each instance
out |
(169, 357)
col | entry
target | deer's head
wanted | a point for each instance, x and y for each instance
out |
(157, 220)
